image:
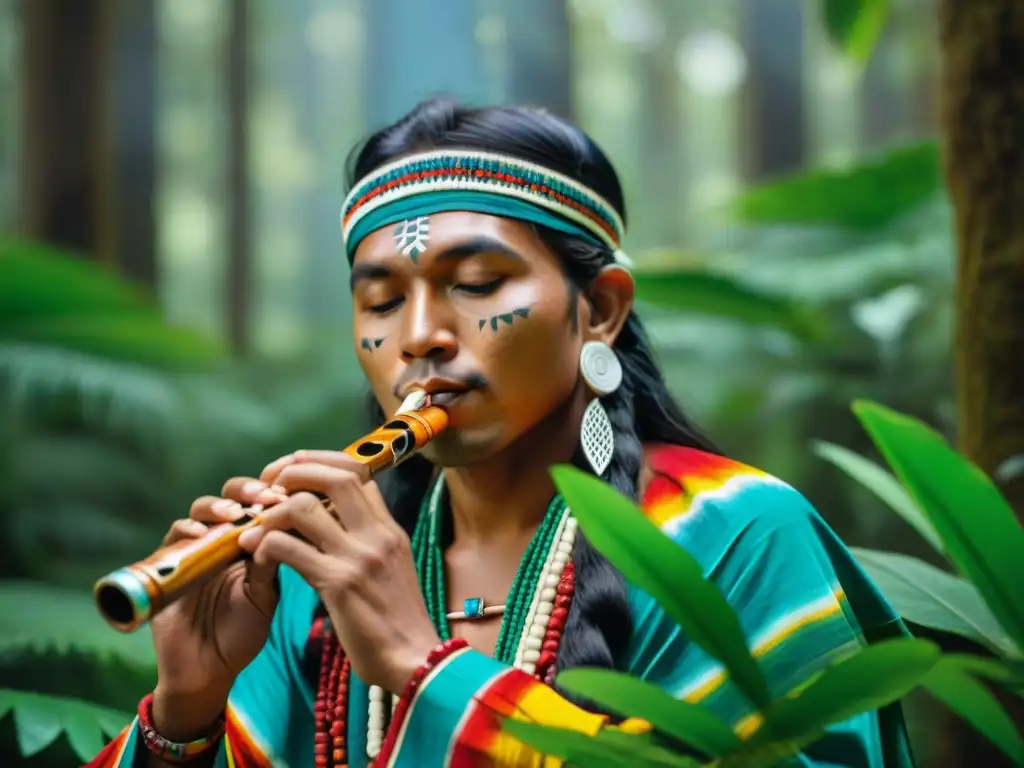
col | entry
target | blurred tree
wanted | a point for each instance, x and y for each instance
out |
(88, 166)
(239, 192)
(418, 49)
(982, 111)
(774, 98)
(540, 54)
(983, 119)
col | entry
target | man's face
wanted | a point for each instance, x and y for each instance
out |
(475, 310)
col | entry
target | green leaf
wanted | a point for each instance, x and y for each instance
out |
(856, 25)
(725, 297)
(882, 483)
(84, 735)
(1011, 468)
(651, 561)
(977, 526)
(869, 679)
(41, 617)
(867, 196)
(951, 683)
(929, 597)
(606, 748)
(39, 720)
(691, 724)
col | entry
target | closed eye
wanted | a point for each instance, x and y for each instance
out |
(481, 289)
(387, 306)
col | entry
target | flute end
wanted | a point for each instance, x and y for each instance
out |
(413, 402)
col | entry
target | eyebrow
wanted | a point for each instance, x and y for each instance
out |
(475, 247)
(459, 252)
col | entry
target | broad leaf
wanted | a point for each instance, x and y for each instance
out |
(882, 483)
(691, 724)
(977, 526)
(856, 25)
(651, 561)
(868, 196)
(1011, 468)
(41, 617)
(39, 720)
(950, 681)
(606, 748)
(929, 597)
(869, 679)
(725, 297)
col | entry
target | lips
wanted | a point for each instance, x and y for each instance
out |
(444, 397)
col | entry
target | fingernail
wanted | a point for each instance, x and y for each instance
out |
(253, 487)
(280, 490)
(227, 508)
(251, 538)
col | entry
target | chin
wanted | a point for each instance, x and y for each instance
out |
(460, 447)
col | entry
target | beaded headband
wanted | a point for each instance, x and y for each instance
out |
(463, 180)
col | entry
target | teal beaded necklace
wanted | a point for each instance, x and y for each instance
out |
(428, 555)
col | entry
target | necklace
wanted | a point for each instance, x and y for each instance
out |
(533, 619)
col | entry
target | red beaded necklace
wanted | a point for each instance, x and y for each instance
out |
(331, 708)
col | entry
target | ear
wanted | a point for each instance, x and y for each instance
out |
(610, 296)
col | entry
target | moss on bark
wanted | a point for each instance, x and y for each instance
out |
(982, 111)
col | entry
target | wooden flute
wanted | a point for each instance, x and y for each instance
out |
(130, 596)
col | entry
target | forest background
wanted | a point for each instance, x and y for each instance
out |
(821, 207)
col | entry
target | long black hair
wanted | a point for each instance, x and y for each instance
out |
(641, 410)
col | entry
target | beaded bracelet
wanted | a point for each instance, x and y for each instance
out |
(173, 751)
(435, 657)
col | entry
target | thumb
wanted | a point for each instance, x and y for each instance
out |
(262, 585)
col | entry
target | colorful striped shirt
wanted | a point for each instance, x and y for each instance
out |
(801, 598)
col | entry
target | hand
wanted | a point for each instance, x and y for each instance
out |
(356, 557)
(207, 637)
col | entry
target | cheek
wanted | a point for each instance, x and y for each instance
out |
(530, 362)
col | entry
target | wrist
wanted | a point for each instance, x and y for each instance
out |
(405, 664)
(187, 716)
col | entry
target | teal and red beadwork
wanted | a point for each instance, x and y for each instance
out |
(496, 176)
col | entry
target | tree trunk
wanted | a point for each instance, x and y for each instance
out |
(89, 159)
(982, 107)
(65, 199)
(982, 112)
(239, 236)
(774, 131)
(540, 55)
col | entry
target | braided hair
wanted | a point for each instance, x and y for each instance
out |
(641, 410)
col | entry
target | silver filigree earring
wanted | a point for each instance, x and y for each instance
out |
(602, 371)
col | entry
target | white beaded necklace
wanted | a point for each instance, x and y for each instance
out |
(528, 650)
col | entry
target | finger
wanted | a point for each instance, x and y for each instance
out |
(346, 491)
(213, 509)
(184, 529)
(261, 581)
(303, 513)
(249, 490)
(273, 469)
(332, 459)
(278, 547)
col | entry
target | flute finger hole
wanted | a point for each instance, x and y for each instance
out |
(369, 449)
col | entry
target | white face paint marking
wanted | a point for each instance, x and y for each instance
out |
(411, 236)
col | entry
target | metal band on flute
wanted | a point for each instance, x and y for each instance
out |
(130, 596)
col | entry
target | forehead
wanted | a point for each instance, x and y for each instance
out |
(448, 230)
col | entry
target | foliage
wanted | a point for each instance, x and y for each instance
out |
(856, 25)
(959, 503)
(865, 680)
(111, 422)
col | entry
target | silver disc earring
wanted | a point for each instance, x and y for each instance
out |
(602, 371)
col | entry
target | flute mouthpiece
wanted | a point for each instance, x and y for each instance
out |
(413, 402)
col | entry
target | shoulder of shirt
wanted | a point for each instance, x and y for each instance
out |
(687, 489)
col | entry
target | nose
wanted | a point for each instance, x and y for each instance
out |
(427, 332)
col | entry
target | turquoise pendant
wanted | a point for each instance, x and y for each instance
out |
(473, 607)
